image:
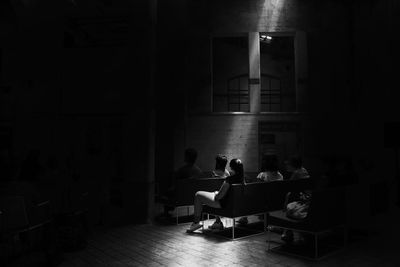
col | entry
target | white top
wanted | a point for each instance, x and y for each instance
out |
(220, 173)
(270, 176)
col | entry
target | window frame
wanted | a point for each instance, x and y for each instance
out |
(241, 34)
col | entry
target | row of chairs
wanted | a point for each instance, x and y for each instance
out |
(16, 217)
(20, 218)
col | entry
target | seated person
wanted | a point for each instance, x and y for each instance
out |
(270, 169)
(270, 173)
(221, 172)
(295, 167)
(216, 199)
(220, 167)
(190, 169)
(294, 199)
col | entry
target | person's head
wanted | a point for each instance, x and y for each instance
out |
(270, 163)
(190, 155)
(220, 162)
(236, 166)
(294, 163)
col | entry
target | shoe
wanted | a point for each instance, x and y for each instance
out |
(243, 221)
(216, 226)
(193, 227)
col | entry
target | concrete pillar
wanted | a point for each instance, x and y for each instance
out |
(254, 72)
(151, 110)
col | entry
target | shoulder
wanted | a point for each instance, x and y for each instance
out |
(304, 173)
(261, 175)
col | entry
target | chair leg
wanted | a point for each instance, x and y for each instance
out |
(177, 215)
(265, 222)
(316, 245)
(233, 228)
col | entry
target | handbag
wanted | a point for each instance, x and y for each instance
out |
(297, 210)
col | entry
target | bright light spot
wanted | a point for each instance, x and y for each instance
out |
(264, 36)
(269, 37)
(273, 9)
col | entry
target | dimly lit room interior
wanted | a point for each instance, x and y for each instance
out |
(107, 106)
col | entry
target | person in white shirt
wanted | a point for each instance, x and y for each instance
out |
(270, 169)
(270, 173)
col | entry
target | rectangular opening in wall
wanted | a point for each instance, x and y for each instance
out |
(277, 64)
(230, 74)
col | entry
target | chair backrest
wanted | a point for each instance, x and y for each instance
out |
(246, 199)
(258, 197)
(251, 177)
(327, 207)
(14, 216)
(187, 188)
(39, 214)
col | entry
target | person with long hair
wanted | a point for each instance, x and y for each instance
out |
(216, 199)
(220, 172)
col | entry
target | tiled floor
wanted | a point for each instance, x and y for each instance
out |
(161, 245)
(170, 245)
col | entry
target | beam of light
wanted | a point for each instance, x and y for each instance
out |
(239, 142)
(273, 12)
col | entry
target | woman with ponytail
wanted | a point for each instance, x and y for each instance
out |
(216, 199)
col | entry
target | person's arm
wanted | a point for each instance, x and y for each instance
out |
(222, 191)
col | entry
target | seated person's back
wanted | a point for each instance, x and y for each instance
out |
(220, 167)
(190, 169)
(187, 171)
(295, 167)
(270, 169)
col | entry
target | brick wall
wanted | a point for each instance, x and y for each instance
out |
(235, 136)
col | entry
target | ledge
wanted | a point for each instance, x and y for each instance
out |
(247, 114)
